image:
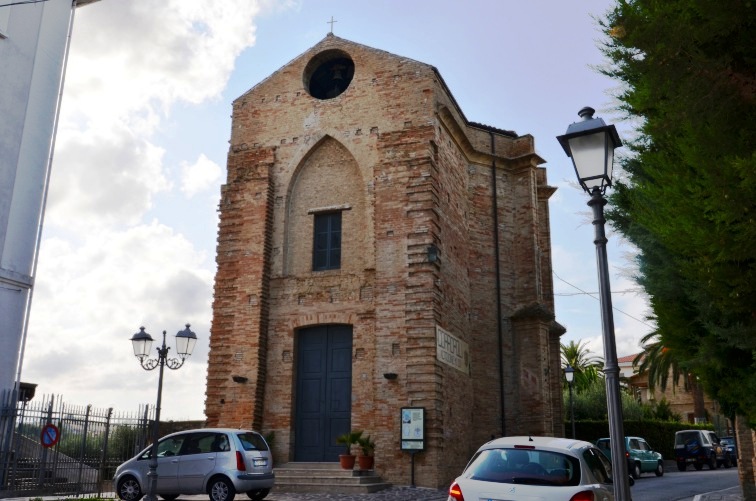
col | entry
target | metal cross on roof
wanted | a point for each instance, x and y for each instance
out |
(331, 23)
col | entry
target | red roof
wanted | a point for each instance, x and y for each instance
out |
(627, 359)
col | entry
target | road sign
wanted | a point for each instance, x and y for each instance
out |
(50, 435)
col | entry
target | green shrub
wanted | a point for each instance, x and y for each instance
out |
(660, 435)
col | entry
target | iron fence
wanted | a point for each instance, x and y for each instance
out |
(50, 448)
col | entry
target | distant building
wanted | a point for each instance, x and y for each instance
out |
(378, 251)
(34, 40)
(626, 366)
(686, 398)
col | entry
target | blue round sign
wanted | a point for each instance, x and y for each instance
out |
(50, 435)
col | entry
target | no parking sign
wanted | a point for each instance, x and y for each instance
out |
(50, 435)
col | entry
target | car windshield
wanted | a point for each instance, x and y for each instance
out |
(252, 441)
(166, 447)
(519, 466)
(687, 438)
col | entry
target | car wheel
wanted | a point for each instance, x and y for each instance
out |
(681, 465)
(698, 465)
(258, 494)
(727, 462)
(713, 465)
(660, 469)
(128, 489)
(636, 470)
(221, 489)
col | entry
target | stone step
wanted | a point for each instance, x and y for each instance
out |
(331, 488)
(321, 469)
(301, 465)
(326, 477)
(339, 480)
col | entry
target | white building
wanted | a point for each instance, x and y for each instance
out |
(34, 41)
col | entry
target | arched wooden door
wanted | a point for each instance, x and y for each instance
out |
(324, 391)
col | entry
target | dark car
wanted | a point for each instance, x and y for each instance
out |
(731, 449)
(640, 457)
(699, 448)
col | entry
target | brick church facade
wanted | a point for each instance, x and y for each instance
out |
(378, 251)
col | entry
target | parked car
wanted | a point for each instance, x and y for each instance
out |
(699, 447)
(641, 458)
(731, 449)
(216, 461)
(535, 468)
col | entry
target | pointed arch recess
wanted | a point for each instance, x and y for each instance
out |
(327, 178)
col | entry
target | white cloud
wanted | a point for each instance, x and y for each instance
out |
(103, 177)
(92, 296)
(141, 56)
(199, 176)
(130, 62)
(111, 259)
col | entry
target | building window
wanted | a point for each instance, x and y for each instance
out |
(326, 248)
(328, 74)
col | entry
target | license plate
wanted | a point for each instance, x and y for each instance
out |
(260, 461)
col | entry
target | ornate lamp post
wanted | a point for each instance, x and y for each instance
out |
(569, 375)
(591, 143)
(142, 342)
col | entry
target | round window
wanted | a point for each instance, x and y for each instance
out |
(328, 74)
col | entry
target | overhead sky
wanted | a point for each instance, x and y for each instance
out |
(131, 221)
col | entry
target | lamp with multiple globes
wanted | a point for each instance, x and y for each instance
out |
(142, 343)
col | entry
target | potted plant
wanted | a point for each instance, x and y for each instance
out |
(367, 447)
(347, 440)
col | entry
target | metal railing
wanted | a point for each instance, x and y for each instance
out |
(80, 451)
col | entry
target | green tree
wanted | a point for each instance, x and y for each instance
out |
(587, 366)
(590, 404)
(661, 365)
(688, 195)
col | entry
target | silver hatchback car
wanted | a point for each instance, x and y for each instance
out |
(217, 461)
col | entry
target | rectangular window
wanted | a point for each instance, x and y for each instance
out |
(326, 249)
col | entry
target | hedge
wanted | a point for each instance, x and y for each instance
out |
(660, 435)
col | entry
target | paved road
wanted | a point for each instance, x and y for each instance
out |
(705, 485)
(395, 493)
(691, 485)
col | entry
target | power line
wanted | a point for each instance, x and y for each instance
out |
(594, 296)
(626, 291)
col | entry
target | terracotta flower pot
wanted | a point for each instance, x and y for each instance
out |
(347, 461)
(366, 462)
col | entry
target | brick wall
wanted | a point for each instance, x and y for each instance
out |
(396, 156)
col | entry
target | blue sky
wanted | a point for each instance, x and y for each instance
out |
(131, 223)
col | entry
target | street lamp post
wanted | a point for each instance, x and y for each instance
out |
(569, 375)
(591, 143)
(142, 342)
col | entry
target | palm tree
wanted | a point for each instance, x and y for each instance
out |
(660, 362)
(587, 366)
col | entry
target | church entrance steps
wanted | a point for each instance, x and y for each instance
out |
(326, 477)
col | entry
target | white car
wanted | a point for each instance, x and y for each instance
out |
(535, 468)
(218, 462)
